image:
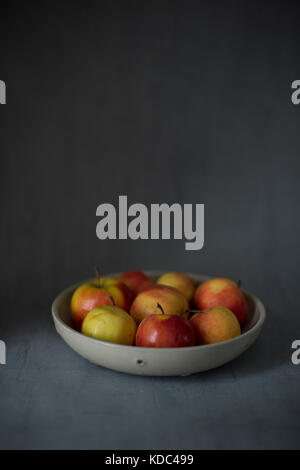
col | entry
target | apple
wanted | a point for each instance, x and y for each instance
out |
(180, 281)
(221, 292)
(165, 331)
(136, 281)
(145, 304)
(110, 323)
(215, 325)
(96, 293)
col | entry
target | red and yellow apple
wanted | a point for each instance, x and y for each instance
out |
(180, 281)
(172, 301)
(110, 323)
(136, 281)
(215, 325)
(165, 331)
(97, 293)
(221, 292)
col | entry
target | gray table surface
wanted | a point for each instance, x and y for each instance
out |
(53, 398)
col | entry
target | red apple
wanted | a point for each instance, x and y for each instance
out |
(136, 281)
(221, 292)
(102, 291)
(165, 331)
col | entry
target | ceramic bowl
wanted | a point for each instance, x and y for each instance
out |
(157, 361)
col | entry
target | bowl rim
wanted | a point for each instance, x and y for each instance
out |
(258, 325)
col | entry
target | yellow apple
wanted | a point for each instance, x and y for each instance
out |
(215, 325)
(180, 281)
(110, 323)
(171, 299)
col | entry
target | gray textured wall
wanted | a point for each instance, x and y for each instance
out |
(186, 103)
(165, 102)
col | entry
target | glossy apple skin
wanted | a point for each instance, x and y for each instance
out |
(171, 300)
(92, 294)
(165, 331)
(110, 323)
(180, 281)
(215, 325)
(136, 281)
(221, 292)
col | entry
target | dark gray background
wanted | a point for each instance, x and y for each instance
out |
(184, 102)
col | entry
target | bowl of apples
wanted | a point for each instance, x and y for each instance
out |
(158, 324)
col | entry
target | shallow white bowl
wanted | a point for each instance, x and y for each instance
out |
(156, 361)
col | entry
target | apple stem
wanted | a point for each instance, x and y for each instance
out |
(160, 308)
(195, 311)
(112, 300)
(97, 274)
(239, 283)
